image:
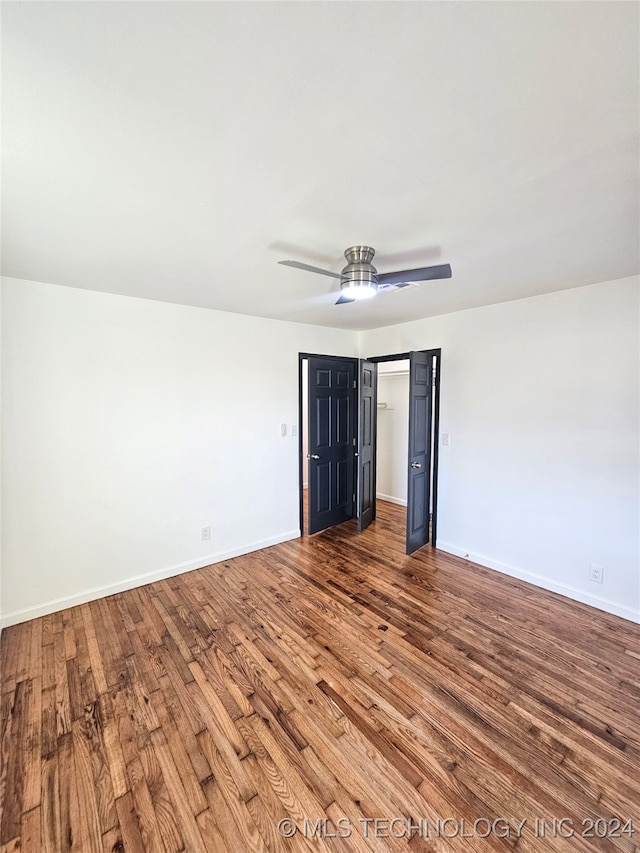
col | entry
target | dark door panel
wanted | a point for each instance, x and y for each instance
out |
(419, 472)
(332, 422)
(418, 503)
(367, 444)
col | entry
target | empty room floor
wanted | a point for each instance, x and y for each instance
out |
(328, 693)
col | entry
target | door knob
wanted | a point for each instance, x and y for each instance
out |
(356, 453)
(312, 456)
(416, 465)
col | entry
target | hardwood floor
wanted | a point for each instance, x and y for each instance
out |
(329, 679)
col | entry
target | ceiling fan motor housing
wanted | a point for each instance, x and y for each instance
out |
(361, 280)
(359, 271)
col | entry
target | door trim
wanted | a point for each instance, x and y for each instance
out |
(436, 445)
(401, 356)
(437, 352)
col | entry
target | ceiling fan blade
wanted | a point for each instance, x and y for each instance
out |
(344, 299)
(420, 274)
(297, 265)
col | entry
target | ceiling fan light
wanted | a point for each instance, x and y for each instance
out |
(358, 290)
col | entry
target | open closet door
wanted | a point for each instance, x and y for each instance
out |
(332, 434)
(367, 444)
(419, 479)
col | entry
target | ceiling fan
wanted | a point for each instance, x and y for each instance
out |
(361, 280)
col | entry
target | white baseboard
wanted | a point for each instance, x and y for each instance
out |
(92, 594)
(546, 583)
(390, 499)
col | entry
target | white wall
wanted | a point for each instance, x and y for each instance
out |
(393, 432)
(541, 400)
(130, 424)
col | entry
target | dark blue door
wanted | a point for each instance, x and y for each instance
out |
(367, 443)
(419, 473)
(332, 423)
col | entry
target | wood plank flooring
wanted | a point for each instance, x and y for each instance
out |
(331, 680)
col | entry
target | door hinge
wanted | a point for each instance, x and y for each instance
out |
(353, 498)
(355, 383)
(353, 441)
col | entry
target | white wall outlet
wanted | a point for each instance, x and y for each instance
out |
(283, 430)
(446, 439)
(596, 573)
(205, 533)
(294, 430)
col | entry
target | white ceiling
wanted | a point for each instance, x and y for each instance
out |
(176, 151)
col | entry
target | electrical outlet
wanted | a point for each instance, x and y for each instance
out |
(596, 573)
(205, 533)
